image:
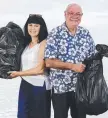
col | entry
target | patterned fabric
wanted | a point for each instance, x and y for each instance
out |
(61, 44)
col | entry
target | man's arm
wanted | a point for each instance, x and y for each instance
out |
(58, 64)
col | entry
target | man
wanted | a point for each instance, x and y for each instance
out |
(67, 46)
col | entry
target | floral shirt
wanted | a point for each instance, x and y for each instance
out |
(61, 44)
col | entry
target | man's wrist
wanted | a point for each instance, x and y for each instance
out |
(71, 66)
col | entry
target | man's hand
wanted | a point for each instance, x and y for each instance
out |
(78, 67)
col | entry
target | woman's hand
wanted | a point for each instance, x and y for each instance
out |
(14, 74)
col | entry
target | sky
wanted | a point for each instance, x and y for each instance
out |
(27, 6)
(53, 11)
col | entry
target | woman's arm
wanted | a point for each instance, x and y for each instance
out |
(39, 69)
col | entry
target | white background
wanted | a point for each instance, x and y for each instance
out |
(95, 19)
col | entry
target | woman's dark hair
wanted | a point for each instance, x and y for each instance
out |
(43, 33)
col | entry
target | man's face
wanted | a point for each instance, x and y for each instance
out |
(73, 16)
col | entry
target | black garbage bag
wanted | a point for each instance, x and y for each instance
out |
(91, 88)
(11, 47)
(102, 49)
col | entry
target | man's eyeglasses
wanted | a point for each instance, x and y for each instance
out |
(38, 15)
(74, 14)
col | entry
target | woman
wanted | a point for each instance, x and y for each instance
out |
(34, 95)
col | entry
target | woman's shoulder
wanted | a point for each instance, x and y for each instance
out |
(42, 46)
(43, 43)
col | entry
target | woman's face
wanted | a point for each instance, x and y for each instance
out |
(33, 29)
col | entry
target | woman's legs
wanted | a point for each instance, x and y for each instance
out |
(34, 101)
